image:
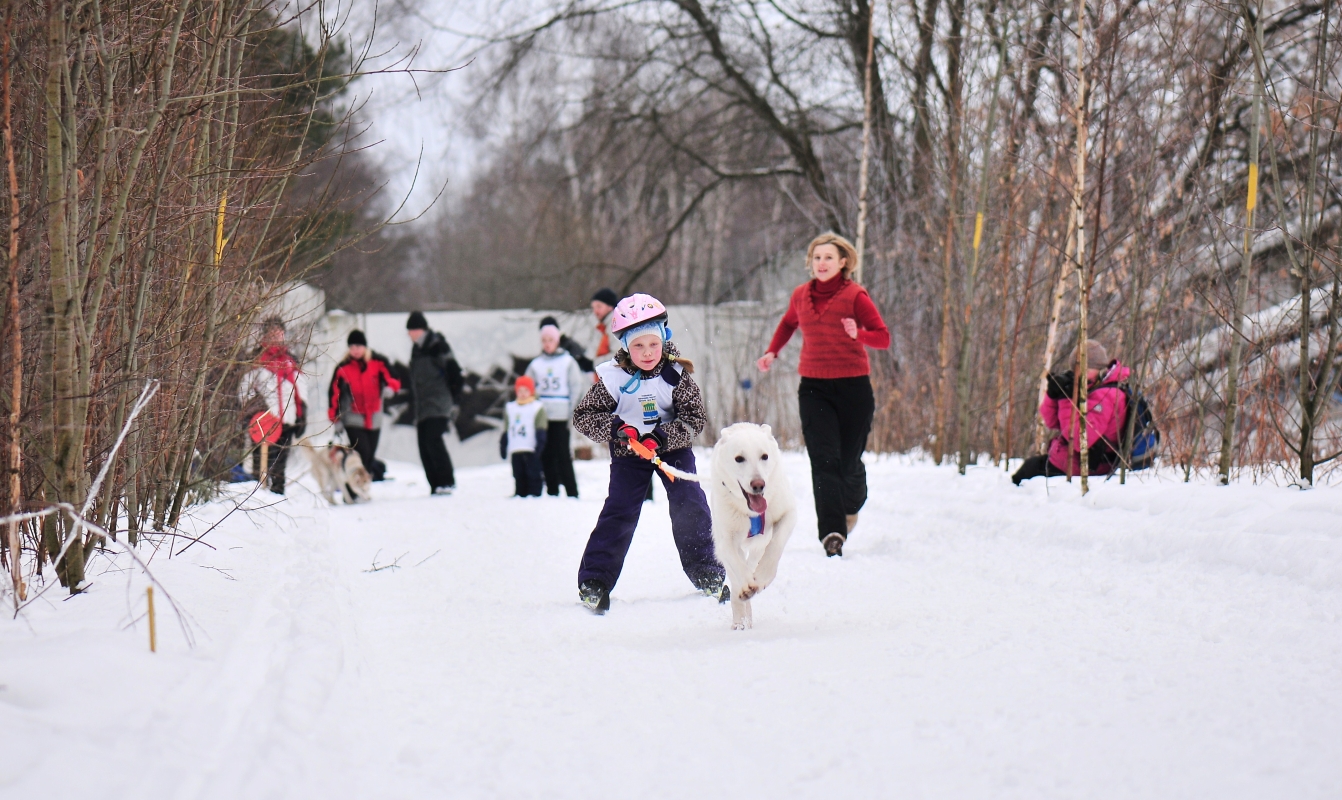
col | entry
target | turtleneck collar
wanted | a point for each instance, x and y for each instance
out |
(825, 290)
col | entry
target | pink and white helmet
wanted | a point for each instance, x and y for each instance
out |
(638, 314)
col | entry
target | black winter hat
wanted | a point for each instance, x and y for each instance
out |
(607, 296)
(548, 321)
(356, 337)
(417, 322)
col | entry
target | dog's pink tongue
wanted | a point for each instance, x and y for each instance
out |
(757, 503)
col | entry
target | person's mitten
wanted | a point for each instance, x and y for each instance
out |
(648, 442)
(1060, 384)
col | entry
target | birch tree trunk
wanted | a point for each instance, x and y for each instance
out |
(1083, 280)
(964, 380)
(1242, 282)
(863, 170)
(13, 324)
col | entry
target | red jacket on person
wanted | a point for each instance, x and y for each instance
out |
(1106, 410)
(359, 382)
(827, 350)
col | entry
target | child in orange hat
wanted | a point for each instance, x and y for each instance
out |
(524, 438)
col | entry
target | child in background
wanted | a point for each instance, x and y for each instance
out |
(559, 383)
(645, 395)
(524, 438)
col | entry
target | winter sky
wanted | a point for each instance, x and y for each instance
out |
(413, 121)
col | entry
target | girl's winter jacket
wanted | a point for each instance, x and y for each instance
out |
(1106, 410)
(356, 390)
(819, 308)
(275, 381)
(595, 415)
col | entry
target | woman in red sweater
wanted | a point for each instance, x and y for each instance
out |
(838, 322)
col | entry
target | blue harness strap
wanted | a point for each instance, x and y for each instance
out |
(756, 526)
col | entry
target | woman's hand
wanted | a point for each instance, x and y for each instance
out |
(766, 361)
(850, 327)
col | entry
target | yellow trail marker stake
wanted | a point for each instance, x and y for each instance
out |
(219, 240)
(153, 631)
(1252, 202)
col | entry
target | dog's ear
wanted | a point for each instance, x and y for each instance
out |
(722, 434)
(767, 429)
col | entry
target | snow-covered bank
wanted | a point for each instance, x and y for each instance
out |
(978, 640)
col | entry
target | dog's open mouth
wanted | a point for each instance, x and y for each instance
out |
(756, 502)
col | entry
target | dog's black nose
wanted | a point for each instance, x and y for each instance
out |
(757, 487)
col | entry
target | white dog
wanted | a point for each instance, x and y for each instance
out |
(339, 470)
(753, 512)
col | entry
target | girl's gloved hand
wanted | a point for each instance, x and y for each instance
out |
(650, 441)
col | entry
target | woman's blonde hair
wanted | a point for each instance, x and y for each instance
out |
(845, 248)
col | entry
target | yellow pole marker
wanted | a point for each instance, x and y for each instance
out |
(219, 229)
(1253, 188)
(153, 630)
(978, 230)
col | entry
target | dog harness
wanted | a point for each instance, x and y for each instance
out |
(756, 526)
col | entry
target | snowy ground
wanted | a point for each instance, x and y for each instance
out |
(1152, 640)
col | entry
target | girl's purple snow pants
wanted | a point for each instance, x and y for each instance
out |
(691, 525)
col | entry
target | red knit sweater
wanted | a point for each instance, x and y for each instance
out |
(827, 351)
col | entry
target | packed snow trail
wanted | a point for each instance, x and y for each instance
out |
(976, 640)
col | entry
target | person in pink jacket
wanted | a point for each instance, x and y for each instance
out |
(1106, 411)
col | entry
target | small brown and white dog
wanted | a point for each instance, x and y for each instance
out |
(338, 470)
(753, 512)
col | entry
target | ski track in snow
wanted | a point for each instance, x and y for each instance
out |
(977, 640)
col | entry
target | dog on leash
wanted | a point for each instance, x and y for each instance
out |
(338, 470)
(753, 512)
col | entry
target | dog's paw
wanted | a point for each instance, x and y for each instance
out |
(742, 625)
(750, 590)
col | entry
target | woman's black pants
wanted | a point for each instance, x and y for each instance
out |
(835, 421)
(364, 442)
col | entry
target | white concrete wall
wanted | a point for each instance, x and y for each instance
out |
(722, 341)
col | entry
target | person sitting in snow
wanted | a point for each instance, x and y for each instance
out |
(1106, 410)
(646, 406)
(524, 438)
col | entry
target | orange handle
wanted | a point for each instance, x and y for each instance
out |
(640, 450)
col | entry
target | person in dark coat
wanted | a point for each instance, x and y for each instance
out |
(360, 383)
(435, 385)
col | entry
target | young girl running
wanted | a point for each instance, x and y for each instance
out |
(645, 400)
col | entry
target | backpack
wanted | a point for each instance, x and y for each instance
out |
(1145, 443)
